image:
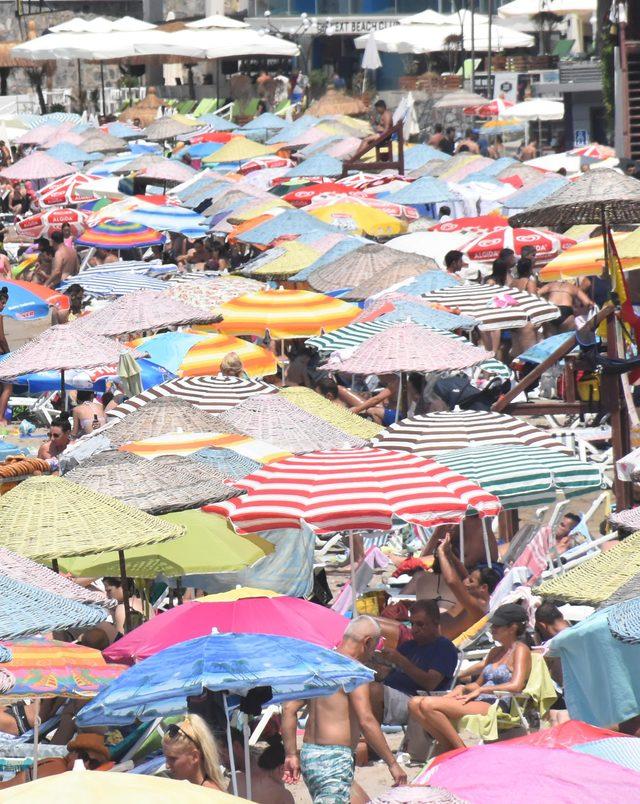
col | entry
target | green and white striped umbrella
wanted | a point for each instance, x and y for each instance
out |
(354, 334)
(523, 476)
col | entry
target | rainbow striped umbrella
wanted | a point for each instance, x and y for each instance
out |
(188, 443)
(46, 668)
(285, 314)
(506, 126)
(114, 234)
(194, 354)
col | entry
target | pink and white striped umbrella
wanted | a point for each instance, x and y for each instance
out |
(357, 489)
(487, 246)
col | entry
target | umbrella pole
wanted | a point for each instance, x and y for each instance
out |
(399, 400)
(282, 361)
(36, 736)
(247, 755)
(462, 540)
(54, 565)
(125, 591)
(352, 569)
(104, 103)
(232, 762)
(485, 539)
(63, 392)
(540, 135)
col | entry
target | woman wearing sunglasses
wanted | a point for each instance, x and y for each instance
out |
(191, 755)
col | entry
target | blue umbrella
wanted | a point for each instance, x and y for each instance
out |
(232, 663)
(419, 155)
(425, 190)
(293, 130)
(38, 382)
(228, 462)
(204, 189)
(421, 314)
(71, 154)
(289, 222)
(318, 147)
(428, 282)
(123, 130)
(216, 123)
(497, 166)
(528, 196)
(623, 751)
(316, 166)
(265, 122)
(199, 150)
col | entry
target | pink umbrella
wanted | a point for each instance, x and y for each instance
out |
(279, 616)
(169, 170)
(487, 246)
(487, 774)
(46, 222)
(62, 135)
(37, 136)
(36, 166)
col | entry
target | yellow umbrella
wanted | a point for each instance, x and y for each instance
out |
(239, 149)
(584, 259)
(285, 314)
(359, 219)
(629, 250)
(239, 593)
(285, 260)
(105, 788)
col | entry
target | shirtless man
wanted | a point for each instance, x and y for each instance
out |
(562, 294)
(381, 122)
(65, 261)
(472, 591)
(333, 729)
(469, 141)
(59, 438)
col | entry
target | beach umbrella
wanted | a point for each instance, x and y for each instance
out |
(279, 616)
(208, 545)
(37, 135)
(282, 261)
(408, 347)
(446, 431)
(594, 197)
(29, 609)
(196, 353)
(482, 302)
(44, 223)
(230, 464)
(213, 394)
(585, 258)
(267, 121)
(141, 311)
(102, 788)
(371, 267)
(186, 443)
(261, 417)
(284, 314)
(238, 150)
(508, 125)
(459, 99)
(79, 521)
(157, 487)
(529, 195)
(210, 293)
(97, 140)
(358, 489)
(487, 246)
(36, 166)
(481, 223)
(594, 151)
(59, 348)
(498, 106)
(335, 414)
(358, 219)
(113, 283)
(346, 337)
(305, 195)
(345, 244)
(71, 154)
(64, 190)
(286, 224)
(168, 128)
(478, 774)
(48, 668)
(30, 572)
(29, 300)
(174, 172)
(317, 166)
(264, 163)
(524, 475)
(425, 190)
(92, 379)
(230, 663)
(114, 234)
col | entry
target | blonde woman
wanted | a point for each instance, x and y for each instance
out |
(231, 366)
(191, 755)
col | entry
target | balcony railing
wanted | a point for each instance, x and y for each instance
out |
(293, 8)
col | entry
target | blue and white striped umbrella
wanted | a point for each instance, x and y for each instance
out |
(105, 283)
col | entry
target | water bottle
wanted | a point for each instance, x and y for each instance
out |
(95, 423)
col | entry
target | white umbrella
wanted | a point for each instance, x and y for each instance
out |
(538, 109)
(217, 21)
(582, 7)
(101, 25)
(370, 57)
(427, 17)
(217, 44)
(521, 8)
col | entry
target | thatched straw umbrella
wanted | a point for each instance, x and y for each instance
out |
(336, 102)
(145, 110)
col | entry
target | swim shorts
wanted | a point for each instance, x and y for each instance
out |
(328, 772)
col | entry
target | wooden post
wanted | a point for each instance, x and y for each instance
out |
(125, 591)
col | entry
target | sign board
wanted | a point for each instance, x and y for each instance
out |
(355, 26)
(580, 137)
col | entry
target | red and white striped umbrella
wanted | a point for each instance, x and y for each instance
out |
(479, 223)
(487, 247)
(594, 151)
(262, 162)
(63, 191)
(44, 223)
(494, 108)
(357, 489)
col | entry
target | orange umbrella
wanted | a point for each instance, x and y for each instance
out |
(285, 314)
(188, 443)
(584, 259)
